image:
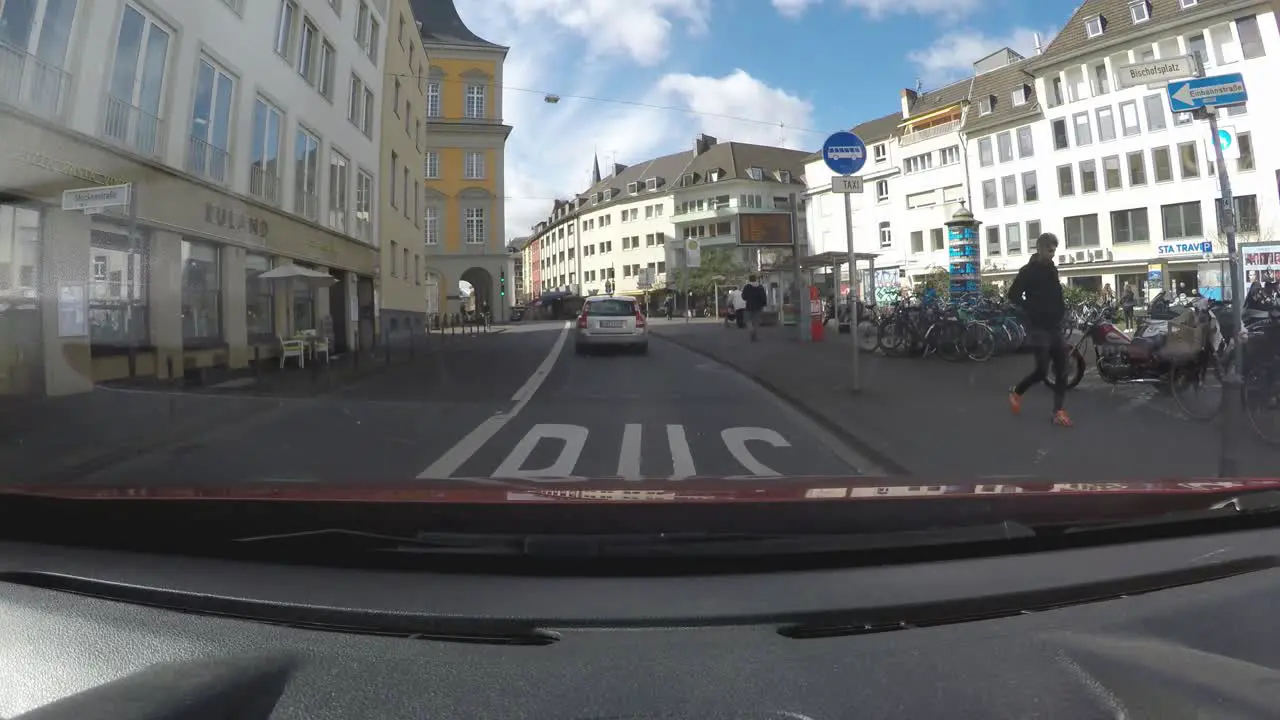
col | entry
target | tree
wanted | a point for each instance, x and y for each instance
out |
(937, 282)
(719, 266)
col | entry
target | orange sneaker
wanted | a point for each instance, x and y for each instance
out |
(1015, 402)
(1060, 419)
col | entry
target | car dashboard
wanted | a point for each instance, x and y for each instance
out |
(1174, 628)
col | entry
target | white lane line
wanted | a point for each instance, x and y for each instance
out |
(735, 439)
(629, 455)
(446, 465)
(681, 456)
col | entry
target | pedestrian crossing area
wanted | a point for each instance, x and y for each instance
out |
(562, 452)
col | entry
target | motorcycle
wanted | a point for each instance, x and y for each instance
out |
(1153, 355)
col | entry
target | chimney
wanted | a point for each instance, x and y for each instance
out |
(908, 99)
(618, 168)
(702, 143)
(1039, 47)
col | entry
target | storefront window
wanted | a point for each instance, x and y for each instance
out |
(304, 306)
(118, 290)
(258, 294)
(201, 292)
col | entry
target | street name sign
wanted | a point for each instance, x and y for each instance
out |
(1214, 91)
(846, 184)
(1160, 71)
(96, 198)
(844, 153)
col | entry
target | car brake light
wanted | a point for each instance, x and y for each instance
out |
(639, 319)
(582, 319)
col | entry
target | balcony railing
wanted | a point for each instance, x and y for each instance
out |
(364, 230)
(207, 160)
(307, 205)
(929, 132)
(132, 127)
(264, 185)
(31, 84)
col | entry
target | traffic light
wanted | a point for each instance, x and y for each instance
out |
(502, 283)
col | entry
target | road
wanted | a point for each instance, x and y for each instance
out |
(516, 405)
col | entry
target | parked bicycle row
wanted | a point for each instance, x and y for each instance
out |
(955, 331)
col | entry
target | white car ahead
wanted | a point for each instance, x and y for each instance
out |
(607, 320)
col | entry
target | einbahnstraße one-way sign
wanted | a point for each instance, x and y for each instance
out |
(1214, 91)
(844, 153)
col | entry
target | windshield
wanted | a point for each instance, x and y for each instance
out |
(615, 308)
(400, 251)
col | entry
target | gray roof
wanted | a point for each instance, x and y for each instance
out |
(882, 128)
(441, 24)
(1001, 83)
(733, 158)
(1119, 26)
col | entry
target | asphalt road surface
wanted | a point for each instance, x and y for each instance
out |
(519, 406)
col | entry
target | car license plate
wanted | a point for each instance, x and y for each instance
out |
(610, 323)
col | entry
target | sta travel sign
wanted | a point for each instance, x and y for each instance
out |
(1185, 248)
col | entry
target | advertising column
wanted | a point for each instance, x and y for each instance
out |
(965, 256)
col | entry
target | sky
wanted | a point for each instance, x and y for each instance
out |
(638, 79)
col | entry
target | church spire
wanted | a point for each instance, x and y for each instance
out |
(595, 171)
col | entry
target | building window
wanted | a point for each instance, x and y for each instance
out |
(1060, 137)
(1106, 124)
(1094, 26)
(407, 184)
(306, 175)
(1153, 106)
(264, 157)
(1004, 142)
(118, 292)
(431, 165)
(1026, 145)
(1009, 189)
(136, 90)
(1066, 181)
(1081, 231)
(328, 69)
(475, 102)
(285, 21)
(433, 99)
(937, 239)
(917, 241)
(882, 191)
(339, 184)
(211, 117)
(989, 194)
(364, 206)
(1088, 176)
(1139, 11)
(993, 239)
(307, 52)
(1033, 230)
(1162, 164)
(985, 158)
(949, 155)
(880, 152)
(1030, 187)
(201, 292)
(1244, 141)
(431, 226)
(394, 176)
(1247, 219)
(1250, 37)
(1189, 160)
(1137, 169)
(886, 236)
(474, 162)
(1182, 221)
(1084, 135)
(1130, 226)
(259, 309)
(1013, 238)
(1111, 173)
(302, 303)
(474, 227)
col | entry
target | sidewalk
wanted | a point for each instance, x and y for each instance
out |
(951, 421)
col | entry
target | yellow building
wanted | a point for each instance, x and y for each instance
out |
(402, 288)
(464, 232)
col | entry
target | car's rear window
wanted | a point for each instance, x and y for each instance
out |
(614, 308)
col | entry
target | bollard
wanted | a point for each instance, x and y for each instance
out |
(257, 360)
(413, 336)
(168, 364)
(133, 362)
(355, 349)
(386, 347)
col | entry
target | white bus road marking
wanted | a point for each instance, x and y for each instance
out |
(459, 454)
(573, 441)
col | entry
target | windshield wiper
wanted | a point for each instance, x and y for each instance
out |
(643, 545)
(1254, 504)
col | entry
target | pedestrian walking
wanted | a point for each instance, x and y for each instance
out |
(735, 309)
(1127, 302)
(1038, 292)
(754, 299)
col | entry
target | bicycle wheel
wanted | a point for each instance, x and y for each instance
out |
(867, 336)
(1197, 389)
(979, 341)
(891, 337)
(1262, 404)
(947, 338)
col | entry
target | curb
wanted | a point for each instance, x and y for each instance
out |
(891, 466)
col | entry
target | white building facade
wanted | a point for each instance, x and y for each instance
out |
(1130, 187)
(222, 117)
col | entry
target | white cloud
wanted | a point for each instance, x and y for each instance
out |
(951, 56)
(550, 150)
(944, 9)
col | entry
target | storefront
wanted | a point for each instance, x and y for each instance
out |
(183, 292)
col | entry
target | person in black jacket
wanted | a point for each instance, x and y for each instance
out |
(755, 299)
(1038, 292)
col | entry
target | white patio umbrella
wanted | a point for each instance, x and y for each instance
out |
(291, 274)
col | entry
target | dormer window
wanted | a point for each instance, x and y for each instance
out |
(784, 177)
(687, 180)
(633, 188)
(713, 176)
(1140, 11)
(1021, 95)
(1094, 26)
(1184, 4)
(755, 173)
(987, 105)
(595, 198)
(651, 184)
